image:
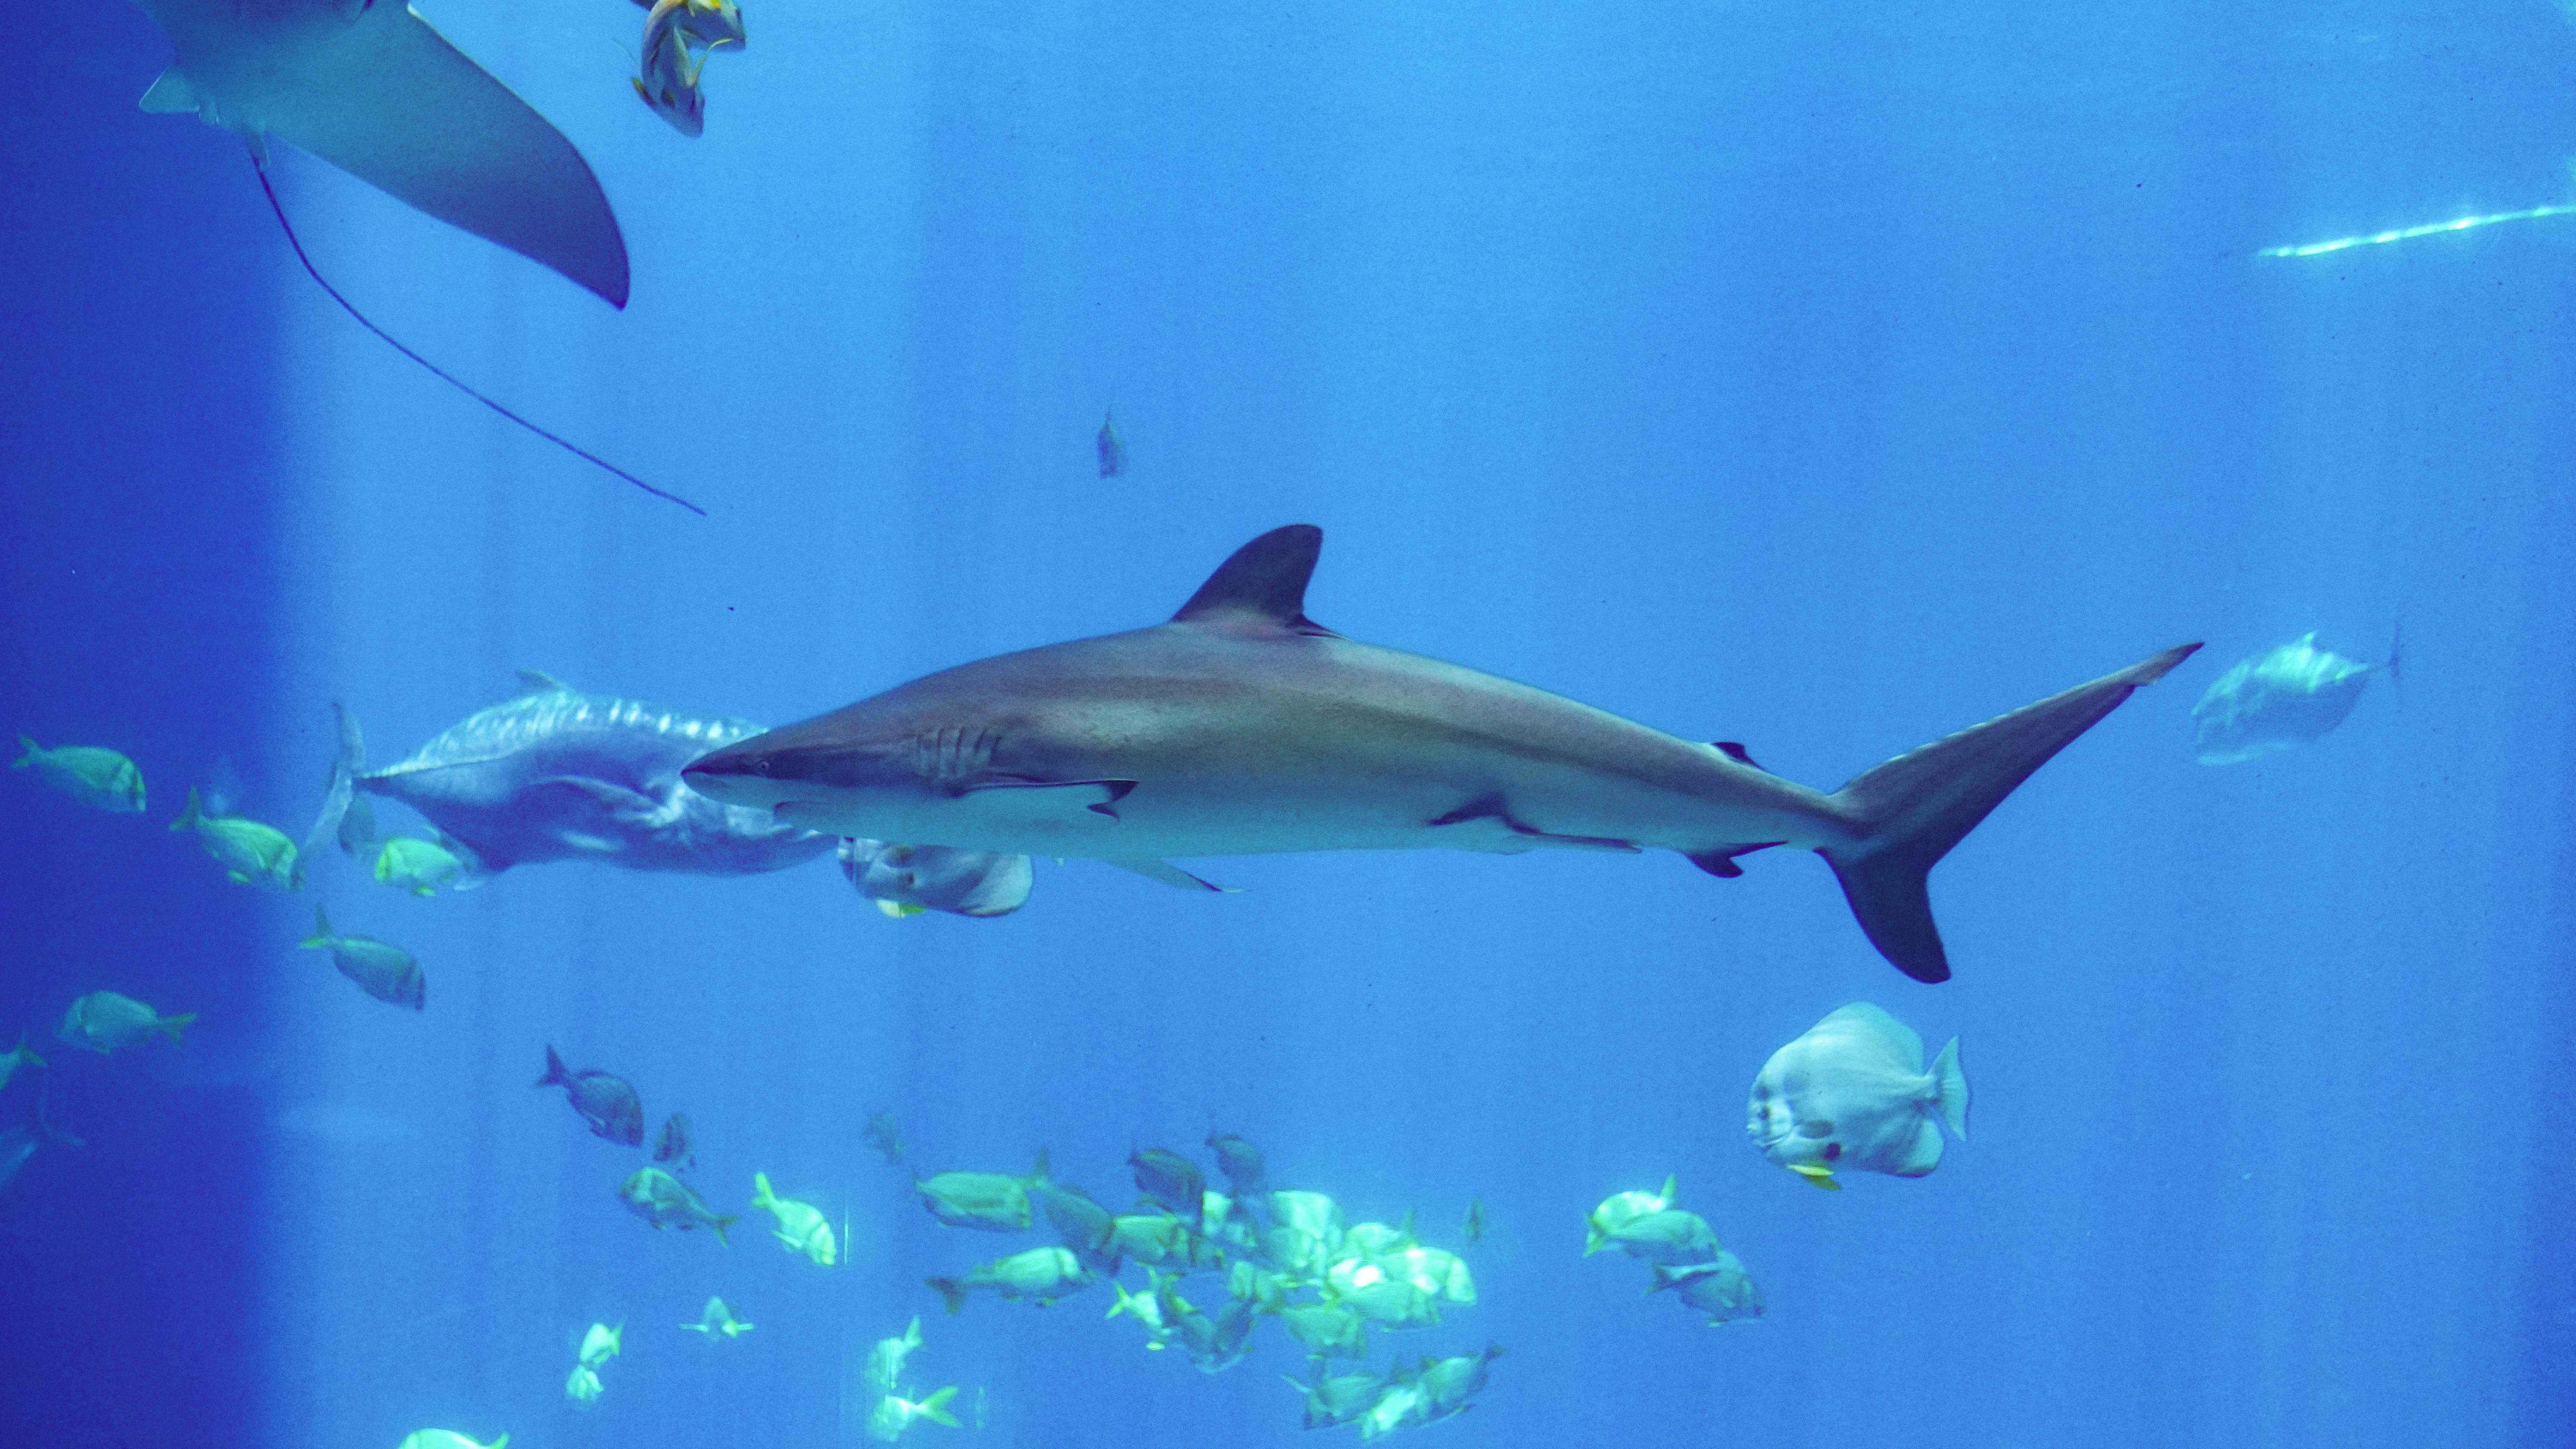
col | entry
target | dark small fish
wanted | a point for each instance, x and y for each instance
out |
(1241, 1162)
(885, 1135)
(604, 1100)
(1171, 1180)
(1475, 1224)
(1112, 446)
(672, 1146)
(19, 1143)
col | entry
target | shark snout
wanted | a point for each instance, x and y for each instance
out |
(735, 777)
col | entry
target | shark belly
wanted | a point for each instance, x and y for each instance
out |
(1349, 748)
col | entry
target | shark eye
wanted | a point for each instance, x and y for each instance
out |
(760, 766)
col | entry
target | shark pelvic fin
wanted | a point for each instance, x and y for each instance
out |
(1263, 585)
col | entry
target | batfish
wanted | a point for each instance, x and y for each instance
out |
(559, 775)
(1242, 727)
(368, 86)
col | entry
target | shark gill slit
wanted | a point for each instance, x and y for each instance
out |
(442, 374)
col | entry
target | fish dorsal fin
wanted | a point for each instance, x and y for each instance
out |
(1262, 585)
(537, 681)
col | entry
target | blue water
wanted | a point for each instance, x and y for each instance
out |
(1825, 380)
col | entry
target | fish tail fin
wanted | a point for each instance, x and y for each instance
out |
(1038, 1169)
(177, 1024)
(951, 1292)
(761, 1196)
(321, 936)
(912, 1333)
(1950, 1090)
(722, 1223)
(1672, 1188)
(343, 787)
(188, 817)
(555, 1075)
(24, 1056)
(27, 758)
(1912, 809)
(1664, 1278)
(501, 1443)
(935, 1408)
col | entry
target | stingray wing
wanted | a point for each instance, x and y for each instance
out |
(393, 104)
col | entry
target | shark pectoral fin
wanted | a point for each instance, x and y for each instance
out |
(1172, 875)
(1067, 802)
(399, 108)
(171, 95)
(1508, 836)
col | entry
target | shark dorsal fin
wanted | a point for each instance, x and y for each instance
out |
(1263, 583)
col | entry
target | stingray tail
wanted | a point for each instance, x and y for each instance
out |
(1912, 809)
(259, 161)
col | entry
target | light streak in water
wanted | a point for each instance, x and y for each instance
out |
(2374, 239)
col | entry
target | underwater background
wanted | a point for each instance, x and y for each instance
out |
(1824, 379)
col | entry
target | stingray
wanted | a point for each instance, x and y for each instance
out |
(370, 87)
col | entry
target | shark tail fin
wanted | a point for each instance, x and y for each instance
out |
(555, 1073)
(1950, 1090)
(321, 936)
(722, 1223)
(1912, 809)
(935, 1408)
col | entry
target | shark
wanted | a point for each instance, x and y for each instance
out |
(1243, 727)
(370, 87)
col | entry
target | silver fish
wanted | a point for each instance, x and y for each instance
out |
(666, 1202)
(558, 775)
(1852, 1093)
(1719, 1288)
(2292, 696)
(1243, 727)
(384, 971)
(906, 879)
